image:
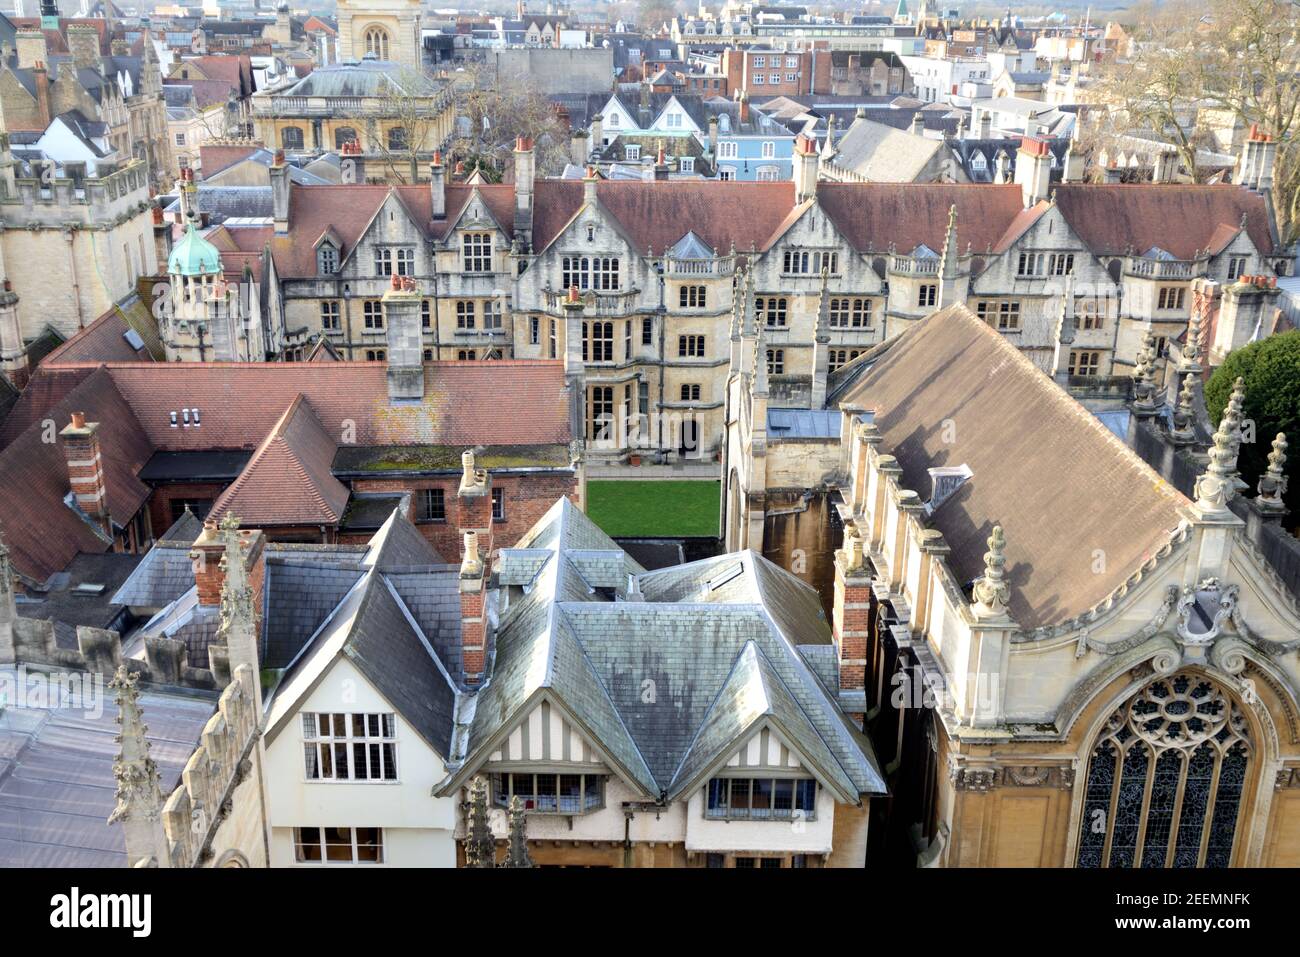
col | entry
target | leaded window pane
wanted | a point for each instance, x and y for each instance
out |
(1183, 749)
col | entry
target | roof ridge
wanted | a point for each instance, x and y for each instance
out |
(722, 686)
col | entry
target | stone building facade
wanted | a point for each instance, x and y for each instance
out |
(385, 29)
(1046, 627)
(71, 246)
(634, 283)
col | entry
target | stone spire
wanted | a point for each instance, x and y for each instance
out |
(480, 846)
(139, 793)
(237, 629)
(1217, 485)
(517, 850)
(821, 343)
(991, 591)
(760, 361)
(951, 252)
(1272, 484)
(1183, 432)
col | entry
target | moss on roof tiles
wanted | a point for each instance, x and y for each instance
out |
(436, 458)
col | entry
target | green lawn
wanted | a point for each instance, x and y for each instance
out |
(648, 509)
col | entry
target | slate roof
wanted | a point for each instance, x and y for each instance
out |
(803, 423)
(721, 658)
(883, 154)
(966, 149)
(1037, 457)
(56, 774)
(374, 630)
(373, 78)
(67, 602)
(163, 575)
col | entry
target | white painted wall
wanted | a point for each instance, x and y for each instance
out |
(417, 826)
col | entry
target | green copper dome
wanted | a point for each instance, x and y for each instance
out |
(193, 256)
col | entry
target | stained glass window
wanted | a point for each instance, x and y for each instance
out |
(1166, 778)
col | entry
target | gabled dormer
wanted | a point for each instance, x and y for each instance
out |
(329, 253)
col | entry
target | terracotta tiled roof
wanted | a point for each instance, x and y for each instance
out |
(870, 216)
(658, 214)
(1111, 218)
(506, 402)
(104, 340)
(44, 534)
(242, 406)
(44, 391)
(213, 159)
(1037, 458)
(313, 24)
(909, 214)
(296, 455)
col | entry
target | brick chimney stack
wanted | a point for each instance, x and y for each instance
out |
(473, 619)
(30, 46)
(405, 340)
(524, 172)
(438, 186)
(474, 522)
(86, 469)
(280, 192)
(851, 616)
(806, 163)
(208, 551)
(42, 80)
(1033, 169)
(205, 559)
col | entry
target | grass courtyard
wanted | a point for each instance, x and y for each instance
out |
(674, 508)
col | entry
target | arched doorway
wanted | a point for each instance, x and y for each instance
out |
(1167, 778)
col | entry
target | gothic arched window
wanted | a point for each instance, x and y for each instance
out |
(1166, 778)
(377, 42)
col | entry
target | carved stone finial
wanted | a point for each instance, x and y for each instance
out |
(1272, 484)
(139, 792)
(1216, 486)
(991, 592)
(1145, 398)
(1185, 415)
(517, 850)
(1192, 350)
(480, 848)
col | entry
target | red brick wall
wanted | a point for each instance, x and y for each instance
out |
(850, 622)
(160, 502)
(528, 496)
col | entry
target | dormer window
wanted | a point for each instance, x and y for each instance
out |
(632, 152)
(944, 482)
(327, 259)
